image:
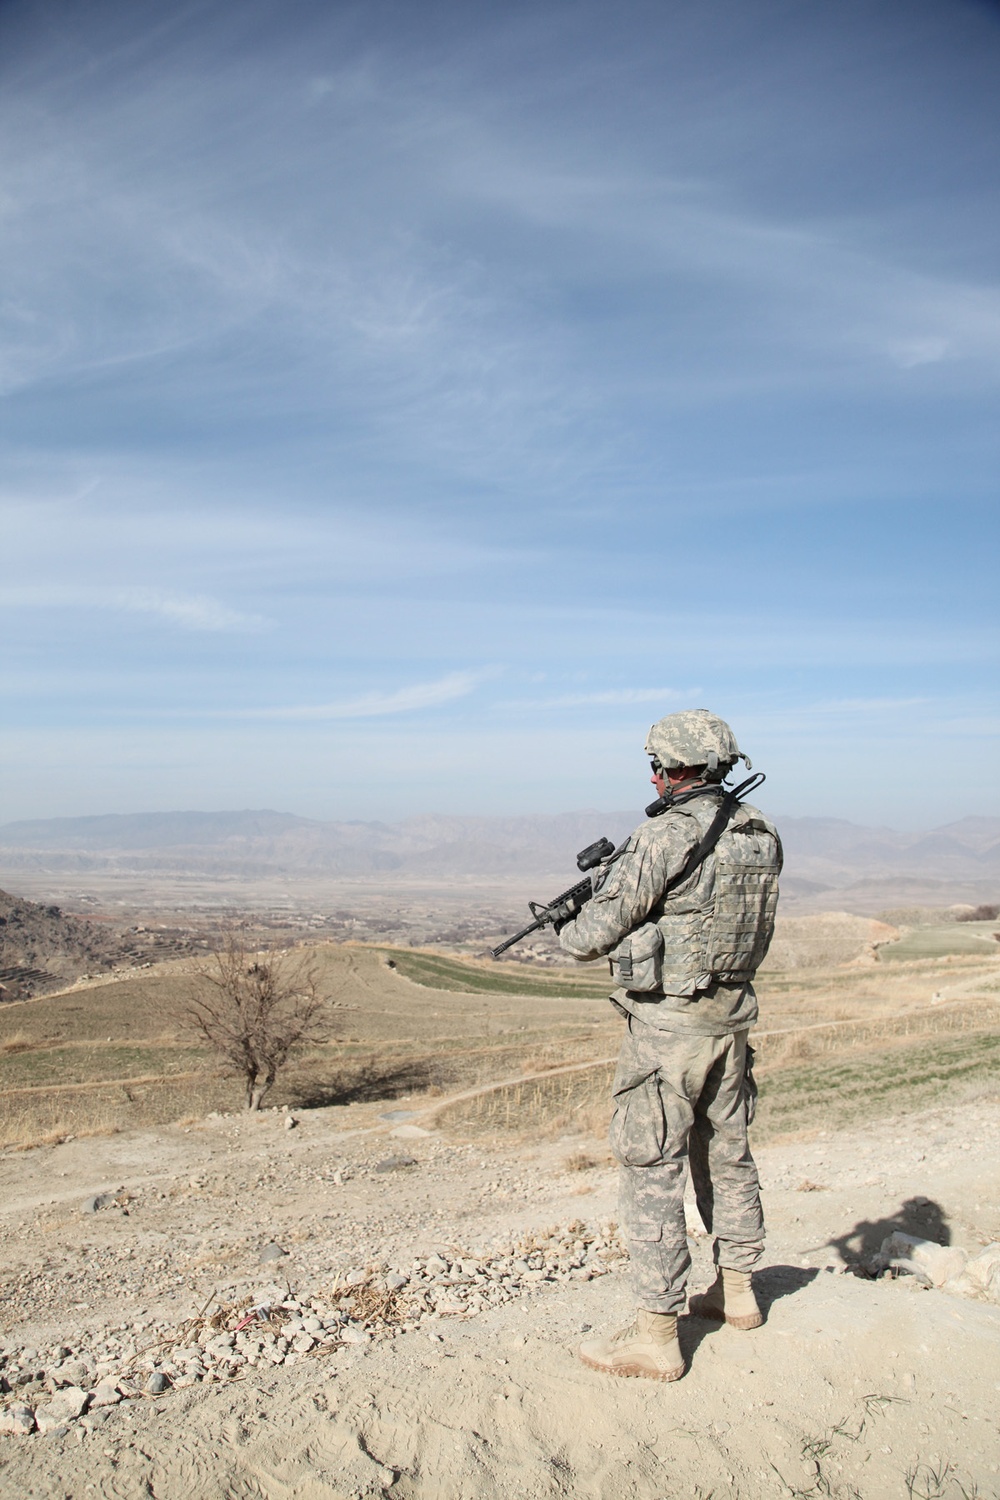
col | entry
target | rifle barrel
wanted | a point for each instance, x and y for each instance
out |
(531, 927)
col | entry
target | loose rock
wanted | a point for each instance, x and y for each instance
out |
(105, 1393)
(19, 1419)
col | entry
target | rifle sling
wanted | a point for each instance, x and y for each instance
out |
(706, 843)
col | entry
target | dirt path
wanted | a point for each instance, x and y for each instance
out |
(852, 1388)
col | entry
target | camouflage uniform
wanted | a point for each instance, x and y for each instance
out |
(686, 953)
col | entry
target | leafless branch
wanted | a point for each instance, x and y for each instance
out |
(253, 1008)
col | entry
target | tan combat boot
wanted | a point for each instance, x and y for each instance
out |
(730, 1297)
(648, 1346)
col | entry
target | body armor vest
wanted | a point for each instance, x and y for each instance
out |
(717, 925)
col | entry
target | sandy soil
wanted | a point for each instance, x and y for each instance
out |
(853, 1387)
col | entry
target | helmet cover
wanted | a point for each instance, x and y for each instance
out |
(694, 737)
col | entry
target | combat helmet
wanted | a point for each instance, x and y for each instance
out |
(695, 738)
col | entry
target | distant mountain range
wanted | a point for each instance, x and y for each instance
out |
(869, 866)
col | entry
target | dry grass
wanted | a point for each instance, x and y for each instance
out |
(578, 1101)
(580, 1161)
(834, 1038)
(103, 1061)
(815, 1078)
(387, 1037)
(45, 1116)
(18, 1041)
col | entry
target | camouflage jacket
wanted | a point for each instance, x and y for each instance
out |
(685, 952)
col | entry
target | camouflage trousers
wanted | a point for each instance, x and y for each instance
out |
(680, 1102)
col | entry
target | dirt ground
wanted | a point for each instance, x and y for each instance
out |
(854, 1387)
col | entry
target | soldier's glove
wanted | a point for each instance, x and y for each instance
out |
(563, 913)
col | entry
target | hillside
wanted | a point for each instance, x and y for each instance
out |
(41, 947)
(869, 868)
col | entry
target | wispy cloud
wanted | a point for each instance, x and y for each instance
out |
(188, 611)
(374, 705)
(191, 612)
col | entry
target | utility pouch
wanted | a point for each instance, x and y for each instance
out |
(637, 962)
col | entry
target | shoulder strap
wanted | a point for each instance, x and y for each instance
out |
(714, 831)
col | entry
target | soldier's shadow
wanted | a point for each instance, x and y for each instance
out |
(770, 1285)
(921, 1217)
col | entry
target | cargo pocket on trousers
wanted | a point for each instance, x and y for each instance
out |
(750, 1086)
(638, 1131)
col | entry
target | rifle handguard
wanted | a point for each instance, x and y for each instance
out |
(568, 904)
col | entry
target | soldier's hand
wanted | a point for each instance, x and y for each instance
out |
(563, 913)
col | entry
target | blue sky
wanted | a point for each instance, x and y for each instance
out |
(405, 403)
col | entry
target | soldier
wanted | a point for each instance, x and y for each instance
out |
(685, 913)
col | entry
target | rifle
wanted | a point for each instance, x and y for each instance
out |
(567, 904)
(564, 907)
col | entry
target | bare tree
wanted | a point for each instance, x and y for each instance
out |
(252, 1008)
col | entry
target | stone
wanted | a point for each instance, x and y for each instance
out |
(18, 1419)
(409, 1133)
(395, 1163)
(302, 1343)
(72, 1372)
(290, 1122)
(266, 1297)
(933, 1264)
(271, 1252)
(980, 1278)
(99, 1200)
(105, 1393)
(71, 1402)
(352, 1334)
(49, 1418)
(157, 1383)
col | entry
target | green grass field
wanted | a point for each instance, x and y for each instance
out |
(937, 942)
(440, 973)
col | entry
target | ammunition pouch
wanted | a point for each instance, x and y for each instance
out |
(637, 962)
